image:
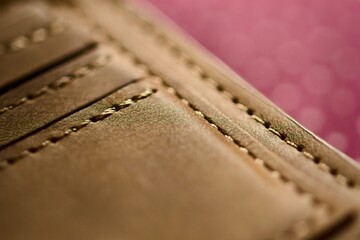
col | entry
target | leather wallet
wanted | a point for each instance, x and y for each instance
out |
(115, 125)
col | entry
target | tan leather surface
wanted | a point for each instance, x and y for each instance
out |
(19, 19)
(131, 131)
(135, 174)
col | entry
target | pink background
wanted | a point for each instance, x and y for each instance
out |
(302, 54)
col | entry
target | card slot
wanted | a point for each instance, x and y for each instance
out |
(47, 67)
(78, 86)
(64, 116)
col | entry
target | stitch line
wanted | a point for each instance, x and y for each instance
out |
(300, 229)
(191, 64)
(75, 128)
(38, 35)
(60, 82)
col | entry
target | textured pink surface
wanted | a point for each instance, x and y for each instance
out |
(302, 54)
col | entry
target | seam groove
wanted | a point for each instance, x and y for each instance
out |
(75, 128)
(60, 82)
(190, 63)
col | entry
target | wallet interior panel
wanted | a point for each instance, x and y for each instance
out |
(150, 167)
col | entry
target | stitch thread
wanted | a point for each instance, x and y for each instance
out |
(61, 82)
(39, 35)
(190, 63)
(73, 129)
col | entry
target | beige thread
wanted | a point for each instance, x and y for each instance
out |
(94, 119)
(292, 144)
(227, 136)
(61, 82)
(177, 52)
(38, 35)
(276, 132)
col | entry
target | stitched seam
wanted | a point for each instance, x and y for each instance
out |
(190, 63)
(94, 119)
(300, 228)
(60, 82)
(39, 35)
